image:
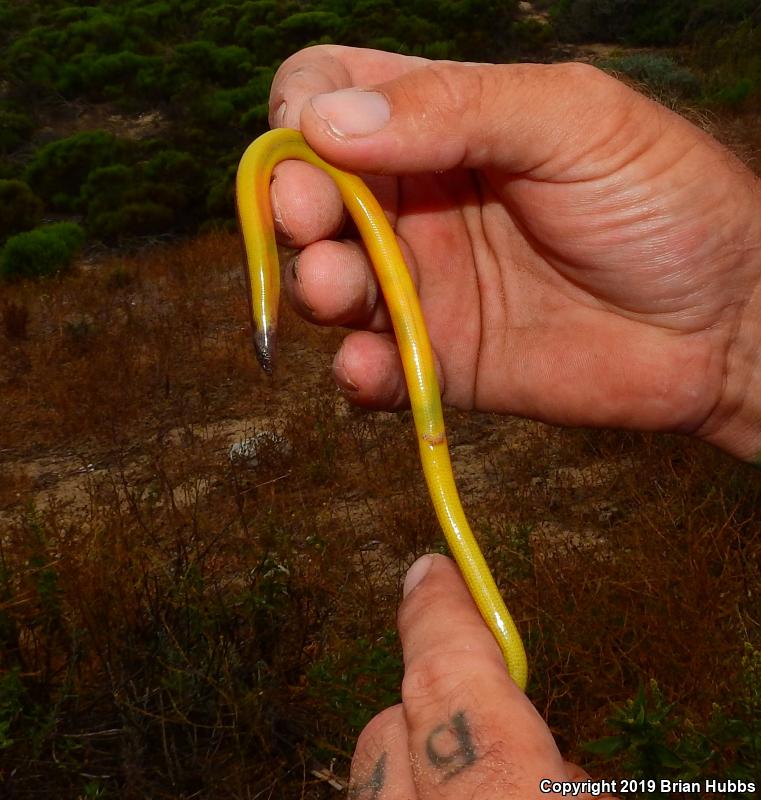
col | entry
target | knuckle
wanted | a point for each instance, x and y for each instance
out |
(580, 71)
(458, 91)
(308, 55)
(435, 678)
(449, 86)
(379, 730)
(590, 80)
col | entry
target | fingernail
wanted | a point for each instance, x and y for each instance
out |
(277, 214)
(279, 116)
(293, 264)
(416, 573)
(352, 112)
(345, 383)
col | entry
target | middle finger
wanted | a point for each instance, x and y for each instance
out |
(307, 205)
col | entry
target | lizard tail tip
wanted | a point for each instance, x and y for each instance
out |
(264, 346)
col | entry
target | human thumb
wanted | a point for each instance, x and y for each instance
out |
(515, 117)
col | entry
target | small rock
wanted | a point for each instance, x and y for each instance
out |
(251, 451)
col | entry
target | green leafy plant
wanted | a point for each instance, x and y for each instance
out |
(653, 741)
(149, 198)
(352, 685)
(736, 93)
(20, 208)
(643, 726)
(43, 251)
(15, 129)
(58, 170)
(111, 76)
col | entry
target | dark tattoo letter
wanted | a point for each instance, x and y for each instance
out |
(453, 759)
(372, 787)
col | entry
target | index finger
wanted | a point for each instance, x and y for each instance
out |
(325, 68)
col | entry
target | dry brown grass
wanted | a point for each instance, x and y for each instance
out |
(176, 625)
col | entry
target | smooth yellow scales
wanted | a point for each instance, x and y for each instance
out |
(255, 214)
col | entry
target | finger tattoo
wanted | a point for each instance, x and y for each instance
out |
(373, 786)
(450, 746)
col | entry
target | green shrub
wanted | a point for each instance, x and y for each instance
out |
(734, 94)
(530, 35)
(10, 17)
(174, 166)
(20, 208)
(309, 25)
(9, 170)
(156, 18)
(217, 24)
(636, 21)
(110, 76)
(59, 169)
(438, 50)
(661, 73)
(105, 189)
(220, 109)
(43, 251)
(254, 121)
(215, 109)
(387, 43)
(732, 63)
(166, 191)
(101, 31)
(220, 201)
(207, 62)
(15, 129)
(263, 40)
(643, 22)
(34, 67)
(31, 59)
(120, 201)
(133, 219)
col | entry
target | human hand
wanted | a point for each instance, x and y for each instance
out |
(583, 255)
(463, 729)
